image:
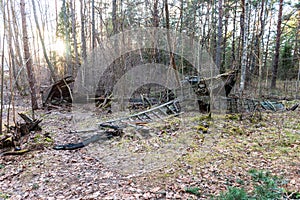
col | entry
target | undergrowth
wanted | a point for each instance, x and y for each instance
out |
(266, 187)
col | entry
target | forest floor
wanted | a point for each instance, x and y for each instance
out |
(181, 155)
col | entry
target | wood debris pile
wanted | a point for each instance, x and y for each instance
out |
(58, 93)
(16, 136)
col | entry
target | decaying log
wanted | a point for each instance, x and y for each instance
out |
(32, 125)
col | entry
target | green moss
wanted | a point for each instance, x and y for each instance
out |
(292, 136)
(4, 196)
(233, 130)
(272, 129)
(263, 124)
(233, 116)
(37, 138)
(284, 150)
(201, 118)
(258, 148)
(49, 140)
(201, 128)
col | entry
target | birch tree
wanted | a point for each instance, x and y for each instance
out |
(83, 21)
(93, 25)
(2, 7)
(244, 31)
(77, 63)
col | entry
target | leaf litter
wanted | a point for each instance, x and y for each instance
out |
(157, 167)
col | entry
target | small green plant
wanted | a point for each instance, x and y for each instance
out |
(36, 138)
(193, 190)
(233, 193)
(241, 182)
(35, 186)
(4, 196)
(265, 186)
(49, 140)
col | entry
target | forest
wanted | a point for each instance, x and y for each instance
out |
(149, 99)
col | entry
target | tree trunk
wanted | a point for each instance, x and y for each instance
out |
(233, 53)
(277, 47)
(172, 59)
(297, 55)
(155, 24)
(155, 14)
(114, 16)
(212, 36)
(11, 49)
(298, 79)
(81, 75)
(82, 20)
(19, 71)
(206, 27)
(93, 25)
(12, 67)
(224, 45)
(2, 68)
(261, 47)
(50, 66)
(244, 31)
(77, 64)
(2, 85)
(28, 59)
(253, 52)
(265, 66)
(67, 39)
(220, 37)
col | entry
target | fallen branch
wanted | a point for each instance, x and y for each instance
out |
(19, 152)
(294, 107)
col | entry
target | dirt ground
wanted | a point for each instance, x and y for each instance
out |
(179, 154)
